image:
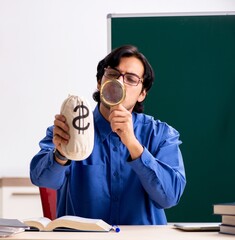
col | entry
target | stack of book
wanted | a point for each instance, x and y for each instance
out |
(227, 212)
(9, 227)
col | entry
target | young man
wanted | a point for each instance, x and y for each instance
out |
(135, 170)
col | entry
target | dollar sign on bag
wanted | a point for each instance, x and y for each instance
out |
(83, 113)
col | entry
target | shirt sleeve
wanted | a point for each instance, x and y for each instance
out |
(162, 175)
(44, 170)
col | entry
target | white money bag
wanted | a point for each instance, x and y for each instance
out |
(79, 117)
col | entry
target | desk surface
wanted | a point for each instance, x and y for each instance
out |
(127, 232)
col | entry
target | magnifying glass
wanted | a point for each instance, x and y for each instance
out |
(112, 92)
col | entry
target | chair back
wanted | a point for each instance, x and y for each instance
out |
(48, 200)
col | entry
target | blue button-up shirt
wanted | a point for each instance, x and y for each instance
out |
(108, 184)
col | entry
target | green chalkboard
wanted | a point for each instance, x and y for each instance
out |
(193, 57)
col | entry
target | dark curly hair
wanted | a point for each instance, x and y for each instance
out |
(113, 60)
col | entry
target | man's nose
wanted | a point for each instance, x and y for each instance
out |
(121, 78)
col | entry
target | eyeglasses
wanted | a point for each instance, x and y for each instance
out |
(128, 78)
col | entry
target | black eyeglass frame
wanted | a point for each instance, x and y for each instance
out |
(123, 76)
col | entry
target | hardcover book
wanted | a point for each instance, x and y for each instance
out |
(227, 229)
(228, 220)
(224, 208)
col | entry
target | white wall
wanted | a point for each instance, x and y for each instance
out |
(50, 48)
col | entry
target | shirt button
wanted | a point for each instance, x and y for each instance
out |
(115, 149)
(115, 174)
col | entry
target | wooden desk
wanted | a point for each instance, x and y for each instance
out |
(126, 233)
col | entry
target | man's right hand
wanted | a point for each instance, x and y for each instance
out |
(60, 132)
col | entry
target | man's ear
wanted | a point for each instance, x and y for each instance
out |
(142, 96)
(98, 84)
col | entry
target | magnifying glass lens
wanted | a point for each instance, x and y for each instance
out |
(112, 92)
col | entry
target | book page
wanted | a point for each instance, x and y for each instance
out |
(11, 230)
(39, 223)
(78, 223)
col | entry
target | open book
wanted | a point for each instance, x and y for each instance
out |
(69, 223)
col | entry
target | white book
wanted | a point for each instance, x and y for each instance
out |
(73, 223)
